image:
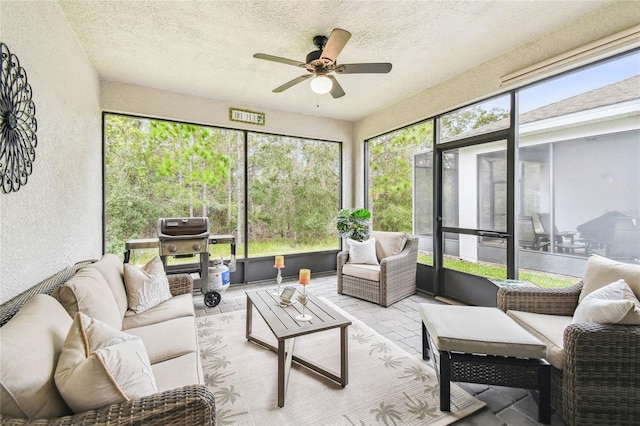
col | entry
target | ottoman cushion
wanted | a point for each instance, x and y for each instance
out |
(479, 330)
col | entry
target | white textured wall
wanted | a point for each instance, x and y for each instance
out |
(56, 219)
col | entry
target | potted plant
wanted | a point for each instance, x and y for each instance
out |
(353, 223)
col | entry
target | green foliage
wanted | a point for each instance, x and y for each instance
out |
(353, 223)
(165, 169)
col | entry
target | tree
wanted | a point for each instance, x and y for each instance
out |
(391, 164)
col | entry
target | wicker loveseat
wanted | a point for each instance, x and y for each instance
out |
(168, 332)
(393, 277)
(596, 367)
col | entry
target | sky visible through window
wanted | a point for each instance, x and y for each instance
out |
(580, 81)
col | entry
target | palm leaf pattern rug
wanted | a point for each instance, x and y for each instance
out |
(387, 385)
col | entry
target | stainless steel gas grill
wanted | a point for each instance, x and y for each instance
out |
(185, 237)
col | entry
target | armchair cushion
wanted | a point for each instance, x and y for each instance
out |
(366, 272)
(362, 252)
(612, 304)
(601, 271)
(388, 243)
(548, 328)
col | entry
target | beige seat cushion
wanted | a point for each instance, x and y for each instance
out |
(389, 243)
(100, 365)
(177, 372)
(159, 348)
(601, 271)
(479, 330)
(30, 344)
(549, 329)
(176, 307)
(366, 272)
(147, 286)
(111, 268)
(88, 292)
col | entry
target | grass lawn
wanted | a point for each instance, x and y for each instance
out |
(488, 270)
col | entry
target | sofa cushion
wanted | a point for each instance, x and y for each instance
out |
(366, 272)
(111, 268)
(614, 303)
(177, 372)
(100, 365)
(159, 348)
(147, 286)
(176, 307)
(88, 292)
(389, 243)
(362, 252)
(601, 271)
(549, 329)
(30, 344)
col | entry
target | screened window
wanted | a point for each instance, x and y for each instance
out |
(390, 173)
(157, 168)
(294, 194)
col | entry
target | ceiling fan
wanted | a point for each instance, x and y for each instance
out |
(322, 62)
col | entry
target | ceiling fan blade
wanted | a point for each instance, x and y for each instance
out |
(371, 68)
(336, 42)
(279, 59)
(336, 89)
(292, 83)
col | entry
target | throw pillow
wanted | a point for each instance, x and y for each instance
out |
(147, 286)
(611, 304)
(362, 252)
(601, 271)
(100, 365)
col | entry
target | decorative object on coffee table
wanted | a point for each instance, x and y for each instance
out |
(18, 124)
(305, 279)
(279, 263)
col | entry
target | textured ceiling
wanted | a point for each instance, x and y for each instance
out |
(206, 48)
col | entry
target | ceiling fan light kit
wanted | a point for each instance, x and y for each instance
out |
(322, 62)
(321, 84)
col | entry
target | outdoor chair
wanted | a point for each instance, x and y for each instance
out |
(564, 241)
(595, 376)
(529, 237)
(393, 279)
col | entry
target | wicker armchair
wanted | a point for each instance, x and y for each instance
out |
(187, 405)
(397, 274)
(599, 383)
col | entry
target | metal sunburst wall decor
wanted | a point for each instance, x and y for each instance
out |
(18, 124)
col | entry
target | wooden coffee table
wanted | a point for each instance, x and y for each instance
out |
(286, 328)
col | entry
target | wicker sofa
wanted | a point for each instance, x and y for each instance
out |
(392, 279)
(33, 321)
(596, 367)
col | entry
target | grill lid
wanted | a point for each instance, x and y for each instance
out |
(184, 227)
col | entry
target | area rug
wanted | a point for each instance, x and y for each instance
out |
(387, 385)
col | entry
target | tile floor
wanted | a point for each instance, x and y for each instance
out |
(401, 323)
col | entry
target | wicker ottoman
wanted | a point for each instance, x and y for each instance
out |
(483, 345)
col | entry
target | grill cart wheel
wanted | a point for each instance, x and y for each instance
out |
(212, 298)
